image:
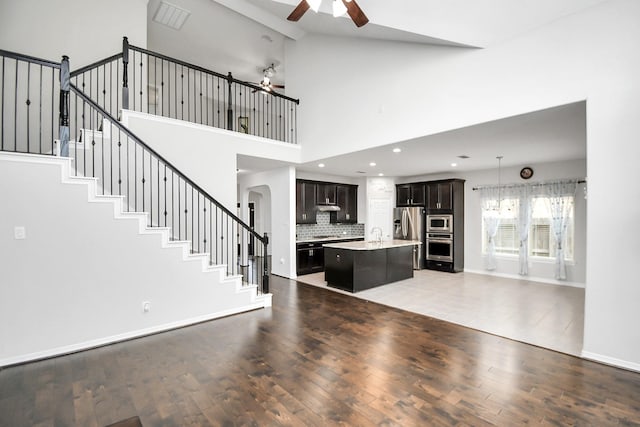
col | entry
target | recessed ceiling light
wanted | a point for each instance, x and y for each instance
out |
(320, 165)
(397, 150)
(453, 165)
(380, 174)
(372, 164)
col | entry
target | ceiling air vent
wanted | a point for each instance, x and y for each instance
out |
(171, 15)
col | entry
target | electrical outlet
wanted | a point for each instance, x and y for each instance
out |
(19, 232)
(146, 306)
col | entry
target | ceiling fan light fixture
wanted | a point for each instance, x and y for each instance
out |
(314, 4)
(339, 8)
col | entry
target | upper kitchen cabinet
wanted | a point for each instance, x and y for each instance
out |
(443, 196)
(305, 202)
(347, 200)
(325, 193)
(410, 195)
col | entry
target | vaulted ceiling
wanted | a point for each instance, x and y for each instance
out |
(210, 37)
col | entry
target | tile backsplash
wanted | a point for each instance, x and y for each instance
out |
(324, 228)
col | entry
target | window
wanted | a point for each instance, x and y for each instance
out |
(541, 237)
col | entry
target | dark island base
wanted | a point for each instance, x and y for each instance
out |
(357, 270)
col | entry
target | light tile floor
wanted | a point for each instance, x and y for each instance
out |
(545, 315)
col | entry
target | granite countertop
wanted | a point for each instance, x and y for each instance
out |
(370, 246)
(329, 238)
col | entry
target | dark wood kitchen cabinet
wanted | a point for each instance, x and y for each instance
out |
(444, 195)
(305, 202)
(410, 194)
(325, 193)
(310, 255)
(439, 197)
(310, 258)
(347, 200)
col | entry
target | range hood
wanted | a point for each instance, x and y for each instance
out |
(328, 208)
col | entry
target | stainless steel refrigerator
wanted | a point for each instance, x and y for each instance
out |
(408, 224)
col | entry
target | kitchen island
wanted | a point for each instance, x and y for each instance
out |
(355, 266)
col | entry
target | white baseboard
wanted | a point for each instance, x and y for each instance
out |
(612, 361)
(73, 348)
(527, 278)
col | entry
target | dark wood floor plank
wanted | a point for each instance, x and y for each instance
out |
(319, 358)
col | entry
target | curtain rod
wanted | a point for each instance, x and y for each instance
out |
(578, 181)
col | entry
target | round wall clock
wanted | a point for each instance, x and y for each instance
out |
(526, 173)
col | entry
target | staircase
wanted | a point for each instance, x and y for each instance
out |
(111, 242)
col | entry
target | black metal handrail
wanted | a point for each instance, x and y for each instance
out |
(213, 73)
(138, 140)
(96, 64)
(102, 147)
(27, 58)
(173, 195)
(150, 82)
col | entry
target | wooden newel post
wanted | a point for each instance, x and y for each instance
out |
(65, 80)
(125, 73)
(265, 266)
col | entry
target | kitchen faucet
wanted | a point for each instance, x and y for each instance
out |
(377, 232)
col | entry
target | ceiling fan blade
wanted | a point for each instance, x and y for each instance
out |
(357, 15)
(300, 9)
(278, 86)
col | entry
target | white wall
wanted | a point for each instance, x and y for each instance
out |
(282, 239)
(540, 270)
(79, 278)
(376, 93)
(84, 30)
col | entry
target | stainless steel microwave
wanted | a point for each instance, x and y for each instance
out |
(440, 224)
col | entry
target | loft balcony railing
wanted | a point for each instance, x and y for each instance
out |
(149, 82)
(43, 112)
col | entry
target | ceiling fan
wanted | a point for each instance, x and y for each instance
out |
(265, 84)
(339, 8)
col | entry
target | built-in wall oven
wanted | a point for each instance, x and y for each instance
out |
(439, 247)
(440, 224)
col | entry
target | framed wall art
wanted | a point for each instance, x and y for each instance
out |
(243, 124)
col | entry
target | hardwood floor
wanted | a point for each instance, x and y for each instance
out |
(542, 314)
(319, 358)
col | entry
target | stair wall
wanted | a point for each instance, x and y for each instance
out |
(82, 274)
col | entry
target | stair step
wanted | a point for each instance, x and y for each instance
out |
(68, 176)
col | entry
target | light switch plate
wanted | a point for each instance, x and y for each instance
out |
(20, 232)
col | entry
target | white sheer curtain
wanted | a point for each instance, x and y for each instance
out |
(490, 200)
(560, 199)
(523, 195)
